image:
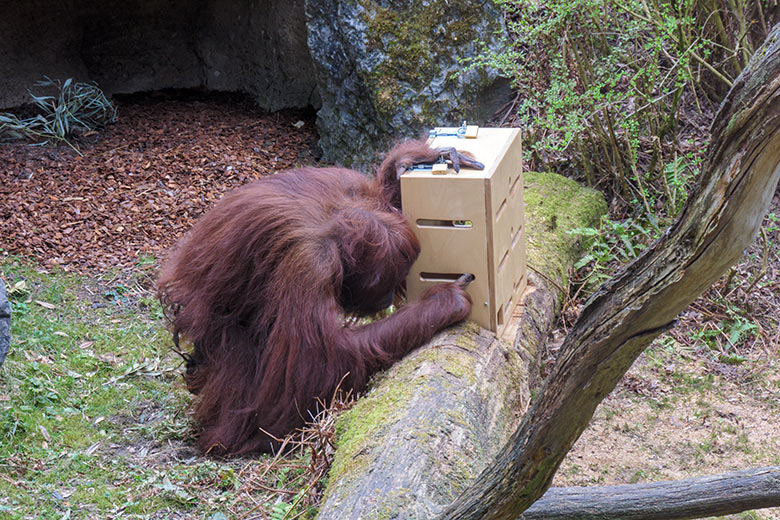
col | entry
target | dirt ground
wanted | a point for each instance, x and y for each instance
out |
(688, 407)
(682, 421)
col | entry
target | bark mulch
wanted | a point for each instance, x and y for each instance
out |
(141, 182)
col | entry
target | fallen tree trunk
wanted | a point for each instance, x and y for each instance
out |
(433, 421)
(715, 495)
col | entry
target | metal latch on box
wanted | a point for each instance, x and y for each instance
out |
(441, 166)
(437, 168)
(464, 131)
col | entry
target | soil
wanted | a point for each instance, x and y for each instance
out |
(132, 189)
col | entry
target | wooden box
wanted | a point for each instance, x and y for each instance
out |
(472, 222)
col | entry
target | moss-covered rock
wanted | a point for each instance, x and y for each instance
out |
(390, 69)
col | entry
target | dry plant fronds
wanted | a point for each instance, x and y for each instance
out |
(292, 481)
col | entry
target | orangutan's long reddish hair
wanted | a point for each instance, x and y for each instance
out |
(260, 286)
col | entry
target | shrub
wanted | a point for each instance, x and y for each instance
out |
(620, 91)
(75, 107)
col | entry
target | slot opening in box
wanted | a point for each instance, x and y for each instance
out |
(503, 261)
(501, 209)
(516, 237)
(507, 309)
(440, 277)
(514, 187)
(436, 223)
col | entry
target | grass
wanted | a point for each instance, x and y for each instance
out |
(93, 412)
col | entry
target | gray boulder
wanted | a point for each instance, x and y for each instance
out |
(394, 69)
(5, 323)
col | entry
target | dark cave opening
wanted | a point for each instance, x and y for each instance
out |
(129, 46)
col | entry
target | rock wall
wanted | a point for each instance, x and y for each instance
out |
(377, 69)
(387, 69)
(139, 45)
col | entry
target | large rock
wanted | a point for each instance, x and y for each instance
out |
(389, 69)
(5, 323)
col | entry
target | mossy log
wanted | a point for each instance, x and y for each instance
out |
(432, 422)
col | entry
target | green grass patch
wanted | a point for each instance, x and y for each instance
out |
(93, 410)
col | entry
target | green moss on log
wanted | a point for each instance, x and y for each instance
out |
(365, 421)
(425, 372)
(554, 206)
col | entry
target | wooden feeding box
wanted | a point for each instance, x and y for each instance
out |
(472, 222)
